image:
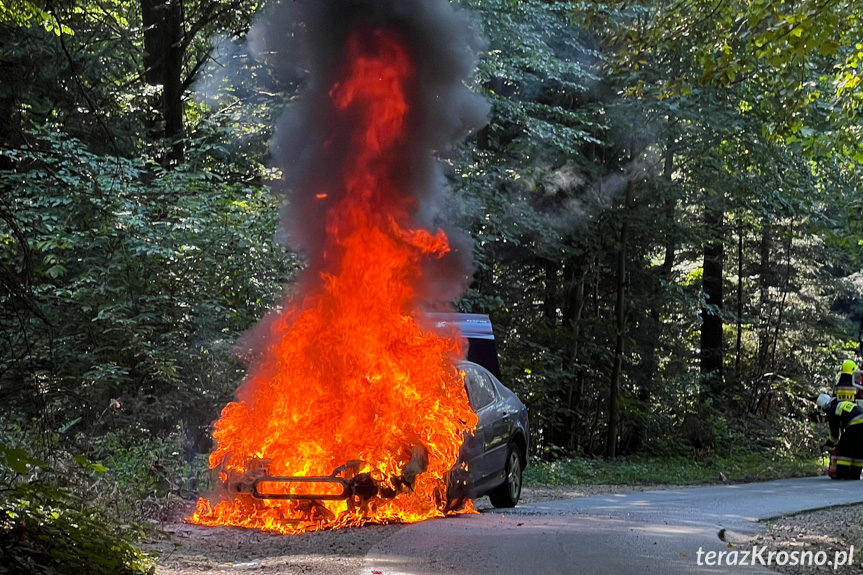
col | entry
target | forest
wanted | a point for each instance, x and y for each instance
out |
(665, 211)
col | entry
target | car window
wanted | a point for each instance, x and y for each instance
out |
(479, 388)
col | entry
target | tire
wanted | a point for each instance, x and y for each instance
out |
(509, 492)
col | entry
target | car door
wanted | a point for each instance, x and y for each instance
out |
(480, 447)
(498, 430)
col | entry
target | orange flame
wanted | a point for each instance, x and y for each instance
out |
(350, 375)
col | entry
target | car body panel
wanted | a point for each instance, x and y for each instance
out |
(502, 421)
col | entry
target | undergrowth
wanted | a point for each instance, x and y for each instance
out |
(49, 525)
(642, 470)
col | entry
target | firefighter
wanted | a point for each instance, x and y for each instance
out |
(844, 418)
(848, 387)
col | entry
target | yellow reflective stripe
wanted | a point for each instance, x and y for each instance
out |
(844, 406)
(856, 420)
(842, 462)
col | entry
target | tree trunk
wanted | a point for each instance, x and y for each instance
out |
(620, 320)
(549, 307)
(765, 280)
(163, 65)
(739, 343)
(155, 42)
(786, 283)
(574, 276)
(711, 327)
(647, 369)
(558, 431)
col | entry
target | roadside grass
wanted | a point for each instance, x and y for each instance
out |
(642, 470)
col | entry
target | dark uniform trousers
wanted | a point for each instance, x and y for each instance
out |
(849, 453)
(846, 421)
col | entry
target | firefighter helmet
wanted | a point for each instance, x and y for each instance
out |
(848, 366)
(823, 401)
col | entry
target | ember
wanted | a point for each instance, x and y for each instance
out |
(353, 411)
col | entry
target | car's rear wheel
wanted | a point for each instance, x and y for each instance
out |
(509, 492)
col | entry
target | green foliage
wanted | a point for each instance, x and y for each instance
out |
(48, 529)
(135, 283)
(143, 467)
(45, 531)
(18, 460)
(803, 56)
(699, 107)
(21, 12)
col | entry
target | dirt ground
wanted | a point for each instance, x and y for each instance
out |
(186, 549)
(829, 530)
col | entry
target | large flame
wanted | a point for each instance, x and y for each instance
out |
(351, 374)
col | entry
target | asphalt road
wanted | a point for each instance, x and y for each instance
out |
(644, 532)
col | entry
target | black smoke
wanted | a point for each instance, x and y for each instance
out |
(303, 42)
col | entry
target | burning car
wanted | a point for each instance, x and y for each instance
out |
(491, 459)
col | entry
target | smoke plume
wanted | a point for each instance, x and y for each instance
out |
(304, 41)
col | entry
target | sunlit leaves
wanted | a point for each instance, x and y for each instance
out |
(25, 12)
(802, 56)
